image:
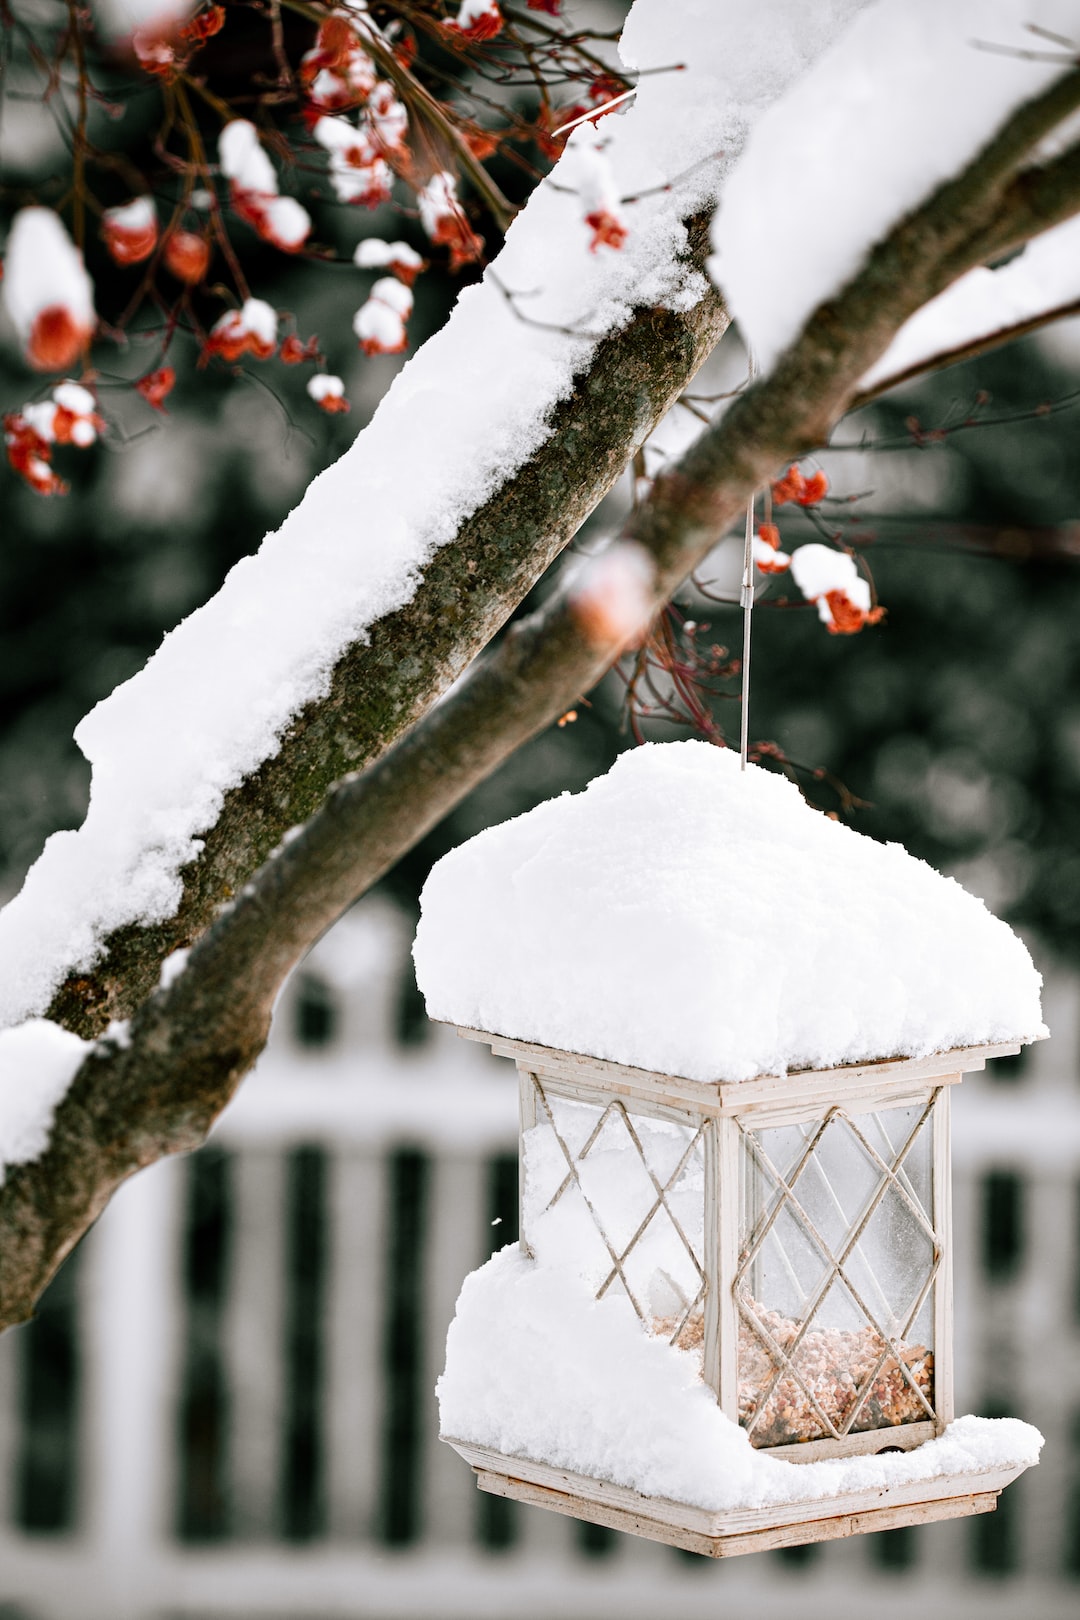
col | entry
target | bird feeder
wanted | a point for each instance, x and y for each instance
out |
(793, 1231)
(788, 1232)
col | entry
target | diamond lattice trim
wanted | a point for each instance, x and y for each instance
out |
(661, 1189)
(783, 1196)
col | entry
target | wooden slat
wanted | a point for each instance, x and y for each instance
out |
(735, 1521)
(730, 1150)
(878, 1078)
(9, 1420)
(526, 1121)
(899, 1437)
(713, 1269)
(254, 1341)
(943, 1282)
(732, 1545)
(454, 1248)
(357, 1202)
(130, 1367)
(563, 1082)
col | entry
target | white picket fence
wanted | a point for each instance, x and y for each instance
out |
(304, 1348)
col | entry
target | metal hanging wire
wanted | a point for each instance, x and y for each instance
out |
(746, 597)
(747, 600)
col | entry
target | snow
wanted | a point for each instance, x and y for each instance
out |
(172, 967)
(536, 1367)
(260, 319)
(375, 254)
(38, 1062)
(379, 328)
(43, 269)
(213, 702)
(473, 11)
(135, 216)
(325, 386)
(387, 290)
(386, 116)
(243, 160)
(437, 199)
(287, 222)
(73, 397)
(818, 570)
(612, 593)
(356, 171)
(78, 402)
(902, 101)
(1045, 276)
(685, 917)
(595, 181)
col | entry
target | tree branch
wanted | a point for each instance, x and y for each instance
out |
(382, 685)
(965, 351)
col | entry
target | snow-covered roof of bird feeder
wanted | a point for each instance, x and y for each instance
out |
(688, 918)
(657, 949)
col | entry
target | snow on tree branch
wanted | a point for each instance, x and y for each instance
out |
(902, 101)
(465, 415)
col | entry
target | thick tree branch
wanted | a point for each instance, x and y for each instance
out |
(190, 1044)
(966, 351)
(381, 686)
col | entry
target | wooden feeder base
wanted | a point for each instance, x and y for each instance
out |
(744, 1530)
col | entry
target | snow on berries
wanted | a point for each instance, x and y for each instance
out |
(251, 329)
(766, 548)
(243, 161)
(328, 392)
(159, 48)
(611, 597)
(380, 323)
(164, 44)
(253, 189)
(48, 293)
(358, 171)
(398, 257)
(831, 580)
(187, 256)
(599, 199)
(443, 218)
(476, 19)
(338, 72)
(385, 116)
(803, 491)
(130, 232)
(69, 417)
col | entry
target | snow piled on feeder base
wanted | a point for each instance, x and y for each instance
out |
(537, 1368)
(687, 917)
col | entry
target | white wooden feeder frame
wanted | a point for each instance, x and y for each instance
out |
(722, 1115)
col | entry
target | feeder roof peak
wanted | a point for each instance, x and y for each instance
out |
(687, 917)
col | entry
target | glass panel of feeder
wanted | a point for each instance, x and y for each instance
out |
(556, 1221)
(618, 1198)
(838, 1255)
